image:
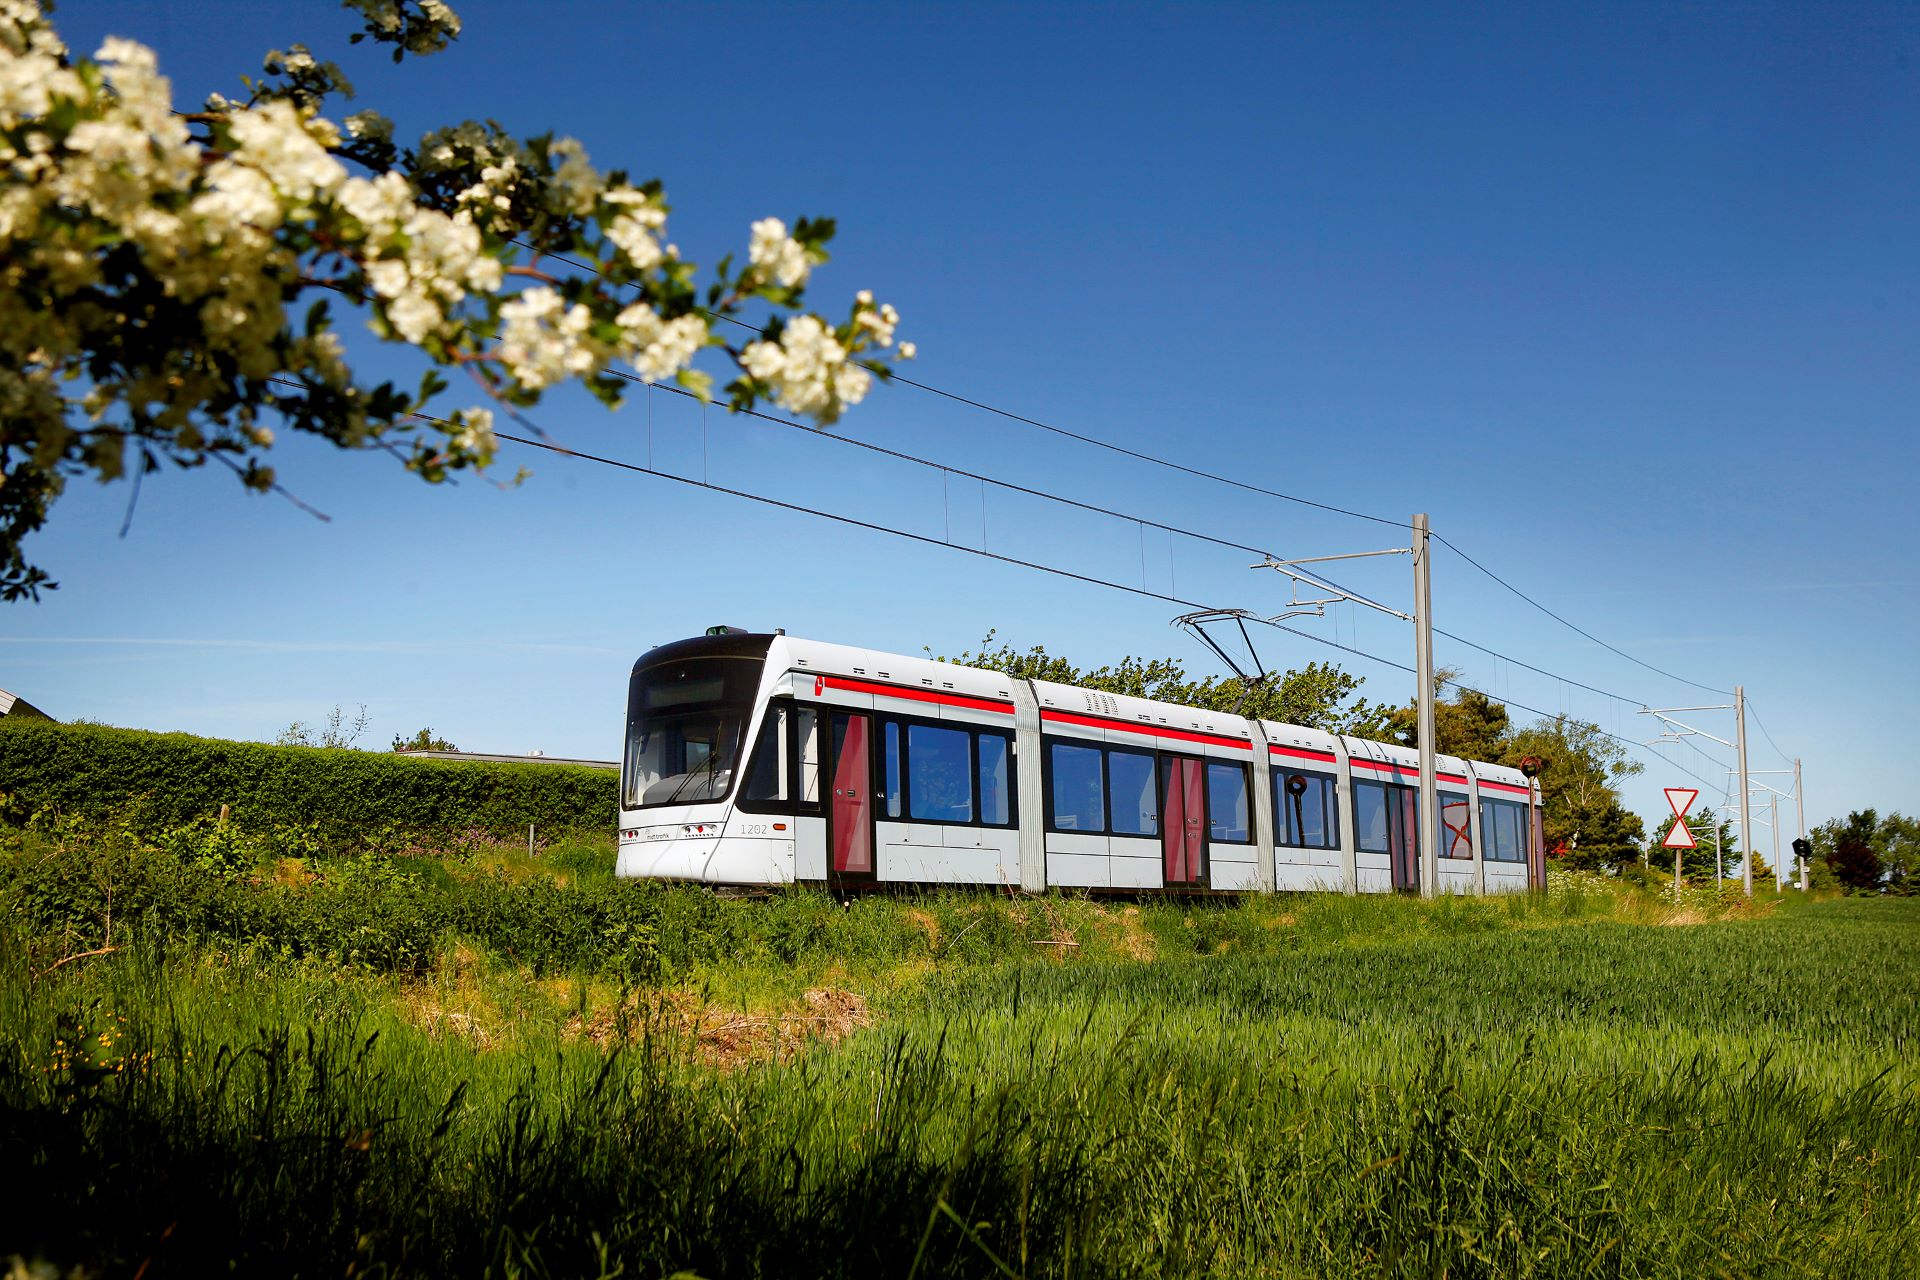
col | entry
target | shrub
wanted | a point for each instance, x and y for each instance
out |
(304, 798)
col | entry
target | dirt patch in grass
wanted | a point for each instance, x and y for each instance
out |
(289, 873)
(730, 1038)
(1134, 938)
(924, 921)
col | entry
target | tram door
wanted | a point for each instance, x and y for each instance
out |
(850, 824)
(1183, 821)
(1403, 837)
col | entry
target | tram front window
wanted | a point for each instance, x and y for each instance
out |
(684, 723)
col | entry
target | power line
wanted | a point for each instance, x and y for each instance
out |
(1147, 457)
(1008, 485)
(1763, 732)
(1095, 441)
(1106, 511)
(1563, 622)
(845, 519)
(1492, 653)
(1157, 460)
(1027, 564)
(1046, 495)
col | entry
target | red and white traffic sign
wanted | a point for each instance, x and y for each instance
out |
(1680, 799)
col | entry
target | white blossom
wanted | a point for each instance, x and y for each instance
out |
(370, 126)
(879, 324)
(473, 434)
(659, 349)
(808, 369)
(275, 140)
(440, 13)
(776, 255)
(380, 206)
(237, 196)
(632, 238)
(634, 229)
(97, 168)
(576, 182)
(384, 14)
(544, 341)
(414, 315)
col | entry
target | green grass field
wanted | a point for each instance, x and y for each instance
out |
(1593, 1082)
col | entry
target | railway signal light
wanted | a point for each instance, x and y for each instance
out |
(1802, 847)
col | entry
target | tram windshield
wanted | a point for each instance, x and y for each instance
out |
(684, 724)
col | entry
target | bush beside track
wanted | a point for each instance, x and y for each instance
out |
(153, 782)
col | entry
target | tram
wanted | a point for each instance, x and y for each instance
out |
(764, 759)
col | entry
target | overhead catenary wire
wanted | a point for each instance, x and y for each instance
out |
(1009, 485)
(1453, 547)
(1784, 757)
(1145, 521)
(1139, 455)
(1200, 473)
(949, 470)
(1055, 570)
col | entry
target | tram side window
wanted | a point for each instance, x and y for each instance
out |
(1505, 825)
(891, 754)
(1312, 818)
(940, 775)
(1079, 802)
(766, 779)
(1456, 832)
(1227, 803)
(809, 741)
(1370, 816)
(1133, 794)
(996, 779)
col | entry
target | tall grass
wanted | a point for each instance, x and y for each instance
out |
(1314, 1086)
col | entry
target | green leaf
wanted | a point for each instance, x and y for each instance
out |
(696, 381)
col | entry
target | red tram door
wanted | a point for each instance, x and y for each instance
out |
(1403, 837)
(850, 824)
(1183, 822)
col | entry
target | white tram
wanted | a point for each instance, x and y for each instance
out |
(768, 760)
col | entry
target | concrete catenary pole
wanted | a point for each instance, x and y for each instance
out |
(1800, 812)
(1746, 826)
(1779, 873)
(1429, 838)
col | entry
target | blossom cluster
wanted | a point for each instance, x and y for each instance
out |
(159, 270)
(814, 370)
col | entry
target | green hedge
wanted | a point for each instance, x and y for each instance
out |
(163, 780)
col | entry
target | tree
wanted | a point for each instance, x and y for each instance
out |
(1472, 725)
(1579, 791)
(1606, 838)
(1855, 860)
(168, 277)
(1899, 848)
(1700, 862)
(1318, 696)
(425, 740)
(338, 733)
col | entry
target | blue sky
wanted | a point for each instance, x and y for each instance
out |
(1625, 297)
